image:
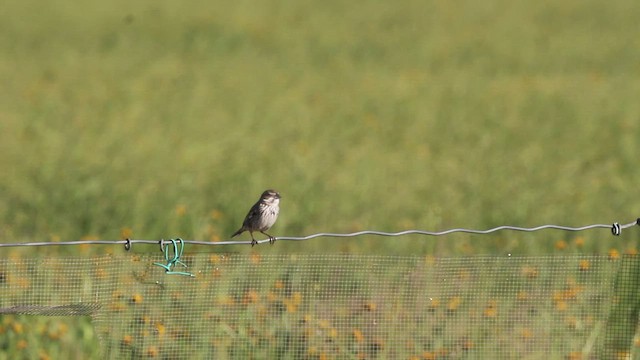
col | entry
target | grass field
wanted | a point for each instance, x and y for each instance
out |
(163, 119)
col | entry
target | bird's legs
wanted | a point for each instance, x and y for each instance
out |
(271, 238)
(253, 241)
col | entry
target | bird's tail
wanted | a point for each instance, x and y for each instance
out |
(240, 231)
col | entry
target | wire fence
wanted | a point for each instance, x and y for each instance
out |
(616, 229)
(324, 306)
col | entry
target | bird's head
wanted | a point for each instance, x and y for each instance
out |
(270, 197)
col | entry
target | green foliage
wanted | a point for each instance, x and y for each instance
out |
(163, 119)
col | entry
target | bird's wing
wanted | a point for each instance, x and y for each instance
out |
(255, 210)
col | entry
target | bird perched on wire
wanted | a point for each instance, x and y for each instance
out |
(262, 216)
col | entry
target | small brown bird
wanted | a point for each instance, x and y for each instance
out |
(262, 216)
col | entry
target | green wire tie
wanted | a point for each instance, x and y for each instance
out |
(178, 248)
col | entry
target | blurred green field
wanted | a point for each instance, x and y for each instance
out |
(163, 119)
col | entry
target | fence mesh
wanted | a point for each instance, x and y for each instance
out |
(242, 306)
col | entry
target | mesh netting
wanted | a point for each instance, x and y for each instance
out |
(339, 306)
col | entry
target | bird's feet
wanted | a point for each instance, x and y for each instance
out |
(253, 242)
(272, 240)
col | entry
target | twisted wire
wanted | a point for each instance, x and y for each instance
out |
(616, 229)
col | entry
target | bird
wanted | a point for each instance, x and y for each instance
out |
(262, 216)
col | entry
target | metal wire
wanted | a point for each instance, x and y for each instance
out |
(615, 228)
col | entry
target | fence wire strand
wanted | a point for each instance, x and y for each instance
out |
(615, 228)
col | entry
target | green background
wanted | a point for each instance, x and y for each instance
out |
(159, 119)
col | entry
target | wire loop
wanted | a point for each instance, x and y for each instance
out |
(616, 230)
(178, 248)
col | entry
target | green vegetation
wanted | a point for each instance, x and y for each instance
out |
(163, 119)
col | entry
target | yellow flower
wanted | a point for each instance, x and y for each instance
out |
(623, 355)
(293, 302)
(250, 297)
(181, 209)
(584, 265)
(160, 328)
(442, 352)
(614, 254)
(23, 282)
(572, 322)
(22, 344)
(216, 214)
(152, 351)
(53, 335)
(17, 327)
(136, 299)
(561, 305)
(570, 293)
(296, 297)
(126, 233)
(279, 284)
(526, 334)
(467, 345)
(214, 258)
(434, 303)
(530, 271)
(430, 260)
(574, 355)
(116, 306)
(271, 296)
(127, 340)
(561, 245)
(491, 310)
(579, 241)
(454, 303)
(357, 335)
